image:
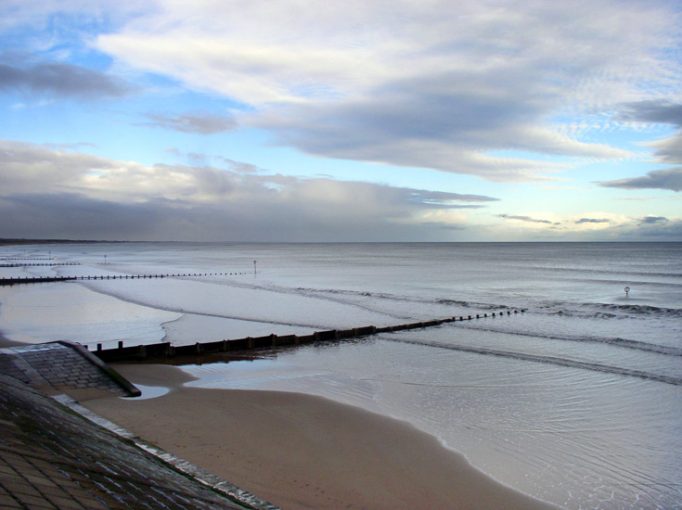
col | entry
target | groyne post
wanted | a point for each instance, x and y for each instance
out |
(165, 350)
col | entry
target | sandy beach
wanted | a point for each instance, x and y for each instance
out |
(301, 451)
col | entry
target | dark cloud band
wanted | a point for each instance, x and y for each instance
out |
(657, 179)
(63, 80)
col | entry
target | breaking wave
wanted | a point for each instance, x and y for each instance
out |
(608, 310)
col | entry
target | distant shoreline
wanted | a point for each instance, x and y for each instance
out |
(24, 241)
(8, 242)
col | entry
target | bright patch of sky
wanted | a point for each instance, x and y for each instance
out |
(368, 120)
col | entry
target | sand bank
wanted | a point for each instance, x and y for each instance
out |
(301, 451)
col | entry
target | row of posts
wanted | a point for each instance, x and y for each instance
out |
(111, 277)
(275, 340)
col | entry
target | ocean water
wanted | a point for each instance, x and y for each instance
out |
(576, 401)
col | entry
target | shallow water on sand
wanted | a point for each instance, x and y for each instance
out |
(577, 401)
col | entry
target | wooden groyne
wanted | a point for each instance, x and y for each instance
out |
(25, 258)
(166, 352)
(33, 264)
(47, 279)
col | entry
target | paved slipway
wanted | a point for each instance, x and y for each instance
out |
(53, 458)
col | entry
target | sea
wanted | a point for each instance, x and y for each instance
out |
(575, 399)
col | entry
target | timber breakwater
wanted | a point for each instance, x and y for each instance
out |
(165, 351)
(48, 279)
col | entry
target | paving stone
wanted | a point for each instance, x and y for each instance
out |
(65, 503)
(54, 459)
(21, 488)
(34, 501)
(9, 502)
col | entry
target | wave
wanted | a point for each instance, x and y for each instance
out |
(627, 281)
(333, 295)
(312, 293)
(623, 275)
(553, 360)
(567, 308)
(608, 310)
(407, 299)
(616, 341)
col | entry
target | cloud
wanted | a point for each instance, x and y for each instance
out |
(658, 179)
(200, 123)
(49, 192)
(582, 221)
(526, 219)
(659, 111)
(202, 159)
(432, 124)
(421, 84)
(660, 231)
(52, 193)
(668, 149)
(589, 226)
(42, 14)
(61, 80)
(653, 220)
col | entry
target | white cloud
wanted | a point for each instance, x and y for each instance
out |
(585, 226)
(435, 84)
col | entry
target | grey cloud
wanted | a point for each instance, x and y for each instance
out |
(427, 86)
(657, 179)
(670, 230)
(47, 193)
(434, 197)
(204, 124)
(442, 107)
(43, 215)
(76, 216)
(664, 112)
(527, 219)
(582, 221)
(669, 150)
(63, 80)
(443, 122)
(26, 167)
(653, 220)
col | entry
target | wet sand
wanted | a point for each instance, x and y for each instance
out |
(4, 342)
(304, 452)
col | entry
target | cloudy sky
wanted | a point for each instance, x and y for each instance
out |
(367, 120)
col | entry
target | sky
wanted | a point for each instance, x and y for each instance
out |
(371, 120)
